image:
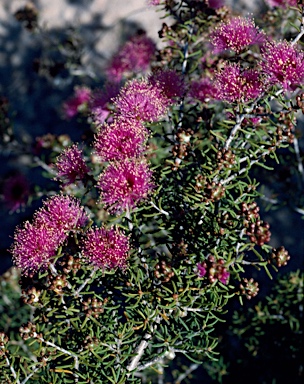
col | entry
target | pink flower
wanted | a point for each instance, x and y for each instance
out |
(61, 214)
(142, 101)
(201, 267)
(234, 84)
(133, 57)
(120, 140)
(33, 247)
(124, 184)
(282, 3)
(283, 63)
(80, 99)
(236, 34)
(70, 165)
(202, 90)
(15, 192)
(169, 82)
(223, 276)
(106, 248)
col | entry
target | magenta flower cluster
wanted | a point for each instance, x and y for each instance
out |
(280, 63)
(283, 64)
(122, 139)
(124, 184)
(236, 35)
(106, 248)
(127, 180)
(70, 166)
(35, 244)
(235, 84)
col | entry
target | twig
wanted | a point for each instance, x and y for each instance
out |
(142, 346)
(152, 362)
(75, 357)
(182, 376)
(301, 33)
(12, 370)
(30, 375)
(158, 209)
(298, 156)
(239, 119)
(76, 293)
(44, 166)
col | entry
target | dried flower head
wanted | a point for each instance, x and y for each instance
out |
(106, 248)
(169, 82)
(33, 247)
(120, 140)
(15, 191)
(234, 84)
(61, 214)
(283, 63)
(141, 100)
(124, 184)
(202, 90)
(133, 57)
(70, 165)
(236, 34)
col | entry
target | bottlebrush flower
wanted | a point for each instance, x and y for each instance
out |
(169, 82)
(61, 214)
(282, 3)
(133, 57)
(106, 248)
(234, 84)
(15, 192)
(283, 63)
(33, 247)
(202, 90)
(80, 99)
(141, 100)
(236, 34)
(124, 184)
(70, 165)
(120, 140)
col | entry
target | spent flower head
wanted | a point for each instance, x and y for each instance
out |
(169, 82)
(70, 165)
(283, 63)
(16, 191)
(120, 140)
(203, 90)
(106, 248)
(236, 34)
(124, 184)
